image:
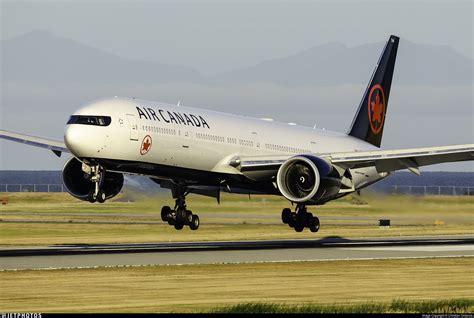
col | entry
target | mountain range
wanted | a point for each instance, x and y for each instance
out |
(42, 57)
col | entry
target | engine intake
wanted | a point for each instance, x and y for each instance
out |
(78, 183)
(308, 179)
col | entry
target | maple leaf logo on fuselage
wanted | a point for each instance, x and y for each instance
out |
(146, 145)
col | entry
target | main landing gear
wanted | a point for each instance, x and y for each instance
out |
(180, 216)
(96, 194)
(300, 219)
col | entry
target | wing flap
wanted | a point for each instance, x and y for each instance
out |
(57, 147)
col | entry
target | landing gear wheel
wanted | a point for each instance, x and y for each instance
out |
(292, 221)
(189, 217)
(91, 196)
(300, 219)
(309, 219)
(194, 223)
(315, 225)
(165, 212)
(101, 196)
(286, 215)
(181, 215)
(299, 227)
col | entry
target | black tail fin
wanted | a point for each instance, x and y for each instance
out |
(370, 118)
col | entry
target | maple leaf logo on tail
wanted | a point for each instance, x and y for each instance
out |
(377, 108)
(376, 111)
(146, 145)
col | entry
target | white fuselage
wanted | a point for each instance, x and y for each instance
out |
(197, 139)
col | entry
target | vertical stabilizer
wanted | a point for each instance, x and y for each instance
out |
(369, 120)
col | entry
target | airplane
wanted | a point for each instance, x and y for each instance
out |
(191, 150)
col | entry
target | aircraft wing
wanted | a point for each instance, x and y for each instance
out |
(55, 146)
(383, 160)
(391, 160)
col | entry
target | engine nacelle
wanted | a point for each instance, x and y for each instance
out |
(78, 183)
(308, 179)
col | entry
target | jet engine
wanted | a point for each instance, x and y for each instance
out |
(78, 183)
(308, 179)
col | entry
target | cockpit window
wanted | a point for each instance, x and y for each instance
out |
(90, 120)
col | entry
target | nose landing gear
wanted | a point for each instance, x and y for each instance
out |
(300, 219)
(96, 194)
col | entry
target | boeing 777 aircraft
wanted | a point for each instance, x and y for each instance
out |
(190, 150)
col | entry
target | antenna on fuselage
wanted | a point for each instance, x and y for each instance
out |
(179, 102)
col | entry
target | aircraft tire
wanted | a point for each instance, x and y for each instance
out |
(299, 227)
(171, 221)
(181, 215)
(286, 215)
(165, 212)
(101, 196)
(189, 217)
(194, 225)
(291, 221)
(309, 218)
(91, 197)
(178, 226)
(315, 225)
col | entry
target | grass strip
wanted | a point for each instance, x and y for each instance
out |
(203, 288)
(461, 305)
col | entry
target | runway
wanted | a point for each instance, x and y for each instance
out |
(326, 249)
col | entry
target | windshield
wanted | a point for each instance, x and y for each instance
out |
(90, 120)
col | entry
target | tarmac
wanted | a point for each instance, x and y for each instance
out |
(183, 253)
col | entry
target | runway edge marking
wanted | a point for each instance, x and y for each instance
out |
(240, 263)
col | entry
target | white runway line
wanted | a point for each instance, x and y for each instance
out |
(428, 248)
(236, 263)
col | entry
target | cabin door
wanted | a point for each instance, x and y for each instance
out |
(252, 146)
(132, 121)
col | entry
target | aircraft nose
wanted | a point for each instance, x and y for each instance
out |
(81, 141)
(73, 139)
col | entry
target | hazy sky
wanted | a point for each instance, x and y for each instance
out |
(217, 35)
(214, 36)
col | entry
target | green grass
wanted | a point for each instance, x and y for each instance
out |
(461, 305)
(235, 218)
(426, 285)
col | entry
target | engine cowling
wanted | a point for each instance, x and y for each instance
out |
(78, 182)
(308, 179)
